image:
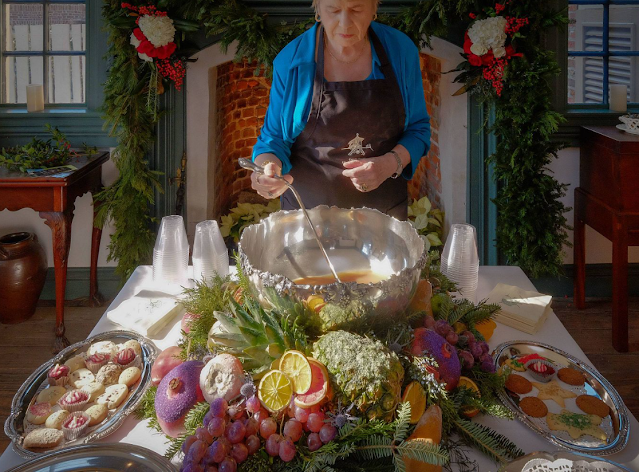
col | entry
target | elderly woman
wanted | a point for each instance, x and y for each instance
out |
(347, 120)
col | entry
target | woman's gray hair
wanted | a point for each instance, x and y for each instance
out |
(315, 2)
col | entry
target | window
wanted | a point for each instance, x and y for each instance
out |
(603, 49)
(44, 43)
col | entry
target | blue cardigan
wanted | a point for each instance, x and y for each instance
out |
(292, 91)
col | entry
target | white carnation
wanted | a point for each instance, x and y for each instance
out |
(159, 30)
(499, 52)
(478, 49)
(135, 42)
(489, 34)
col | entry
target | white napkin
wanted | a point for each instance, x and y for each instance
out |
(147, 312)
(520, 309)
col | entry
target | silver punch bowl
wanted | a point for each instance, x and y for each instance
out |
(282, 248)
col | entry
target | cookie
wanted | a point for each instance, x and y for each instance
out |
(81, 377)
(534, 407)
(75, 363)
(518, 384)
(576, 425)
(113, 396)
(571, 376)
(51, 395)
(515, 365)
(94, 389)
(109, 374)
(129, 376)
(103, 347)
(43, 438)
(38, 413)
(96, 413)
(592, 406)
(133, 344)
(56, 419)
(553, 391)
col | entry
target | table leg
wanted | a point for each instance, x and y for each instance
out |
(619, 286)
(60, 224)
(95, 298)
(579, 256)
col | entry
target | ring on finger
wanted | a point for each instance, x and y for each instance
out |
(270, 194)
(364, 188)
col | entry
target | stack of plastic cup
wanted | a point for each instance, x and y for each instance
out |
(171, 252)
(210, 255)
(459, 260)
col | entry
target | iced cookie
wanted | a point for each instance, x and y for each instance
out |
(75, 363)
(129, 376)
(133, 344)
(113, 396)
(109, 374)
(56, 419)
(81, 377)
(94, 389)
(103, 347)
(552, 391)
(43, 438)
(51, 395)
(576, 425)
(38, 413)
(96, 413)
(514, 364)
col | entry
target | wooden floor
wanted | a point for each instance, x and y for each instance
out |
(26, 346)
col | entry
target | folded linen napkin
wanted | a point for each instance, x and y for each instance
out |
(520, 309)
(147, 312)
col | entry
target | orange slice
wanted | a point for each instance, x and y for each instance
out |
(297, 369)
(275, 390)
(486, 328)
(319, 389)
(415, 395)
(468, 411)
(428, 430)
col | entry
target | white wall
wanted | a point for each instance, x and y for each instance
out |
(598, 248)
(80, 252)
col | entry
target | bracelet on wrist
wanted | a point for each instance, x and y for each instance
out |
(400, 167)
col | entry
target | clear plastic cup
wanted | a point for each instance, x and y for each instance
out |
(210, 255)
(460, 260)
(171, 252)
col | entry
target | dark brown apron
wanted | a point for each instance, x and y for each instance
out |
(348, 120)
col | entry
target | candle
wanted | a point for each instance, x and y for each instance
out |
(35, 98)
(618, 95)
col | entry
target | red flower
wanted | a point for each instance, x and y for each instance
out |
(472, 15)
(499, 8)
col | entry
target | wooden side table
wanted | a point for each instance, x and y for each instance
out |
(54, 199)
(607, 200)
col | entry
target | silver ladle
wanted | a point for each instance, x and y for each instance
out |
(250, 165)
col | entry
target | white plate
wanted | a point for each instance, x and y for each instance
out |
(622, 127)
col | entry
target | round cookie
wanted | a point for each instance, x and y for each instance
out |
(38, 413)
(94, 389)
(56, 419)
(51, 395)
(113, 396)
(96, 413)
(129, 376)
(592, 405)
(534, 407)
(133, 344)
(571, 376)
(75, 363)
(81, 377)
(103, 347)
(109, 374)
(518, 384)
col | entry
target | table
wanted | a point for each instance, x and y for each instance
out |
(54, 199)
(607, 200)
(553, 332)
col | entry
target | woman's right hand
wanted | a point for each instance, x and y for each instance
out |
(266, 184)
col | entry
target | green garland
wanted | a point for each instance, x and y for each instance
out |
(531, 223)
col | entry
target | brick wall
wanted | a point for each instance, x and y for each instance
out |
(242, 99)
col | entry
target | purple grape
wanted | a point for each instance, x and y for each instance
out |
(466, 359)
(272, 445)
(204, 435)
(252, 426)
(452, 337)
(484, 346)
(253, 404)
(301, 414)
(196, 452)
(293, 429)
(227, 465)
(287, 450)
(216, 427)
(485, 357)
(239, 452)
(327, 433)
(253, 444)
(488, 366)
(429, 322)
(235, 432)
(190, 467)
(475, 350)
(219, 407)
(188, 442)
(470, 337)
(442, 327)
(315, 422)
(268, 427)
(207, 418)
(217, 451)
(313, 442)
(210, 468)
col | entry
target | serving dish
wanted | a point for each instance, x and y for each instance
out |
(624, 127)
(16, 425)
(616, 425)
(561, 461)
(99, 457)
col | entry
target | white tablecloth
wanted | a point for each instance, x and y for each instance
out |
(553, 332)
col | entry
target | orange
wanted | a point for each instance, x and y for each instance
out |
(421, 299)
(468, 411)
(415, 395)
(428, 429)
(315, 303)
(297, 369)
(319, 389)
(275, 390)
(486, 328)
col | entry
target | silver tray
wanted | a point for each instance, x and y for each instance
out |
(99, 457)
(580, 462)
(14, 426)
(616, 425)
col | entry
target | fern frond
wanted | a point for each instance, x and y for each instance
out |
(376, 447)
(423, 451)
(402, 422)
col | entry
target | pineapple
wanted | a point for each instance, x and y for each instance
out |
(363, 371)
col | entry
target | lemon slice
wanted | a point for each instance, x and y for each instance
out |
(295, 365)
(275, 390)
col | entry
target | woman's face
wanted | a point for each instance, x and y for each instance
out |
(346, 21)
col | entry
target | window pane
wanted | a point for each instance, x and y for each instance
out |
(585, 28)
(67, 30)
(18, 73)
(585, 80)
(22, 27)
(66, 79)
(622, 71)
(624, 28)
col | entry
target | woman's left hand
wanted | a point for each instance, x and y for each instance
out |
(368, 174)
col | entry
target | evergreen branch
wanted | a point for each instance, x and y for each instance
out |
(491, 443)
(193, 420)
(423, 451)
(402, 422)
